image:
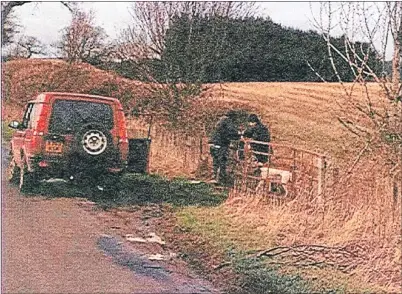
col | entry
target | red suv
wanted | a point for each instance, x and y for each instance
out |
(66, 135)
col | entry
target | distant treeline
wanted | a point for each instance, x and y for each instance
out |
(244, 50)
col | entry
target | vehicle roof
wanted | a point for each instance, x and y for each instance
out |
(42, 96)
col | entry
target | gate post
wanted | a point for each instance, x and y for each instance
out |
(322, 165)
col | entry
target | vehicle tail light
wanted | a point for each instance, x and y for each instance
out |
(122, 132)
(123, 140)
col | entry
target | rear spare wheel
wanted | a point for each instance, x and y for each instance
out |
(94, 141)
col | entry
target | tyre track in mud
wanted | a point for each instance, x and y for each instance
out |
(56, 246)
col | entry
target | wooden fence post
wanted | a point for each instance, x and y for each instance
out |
(321, 186)
(293, 168)
(321, 177)
(200, 146)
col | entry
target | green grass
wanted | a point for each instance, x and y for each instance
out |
(198, 212)
(6, 131)
(257, 278)
(213, 225)
(145, 189)
(137, 189)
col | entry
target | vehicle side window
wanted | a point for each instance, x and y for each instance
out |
(35, 115)
(27, 116)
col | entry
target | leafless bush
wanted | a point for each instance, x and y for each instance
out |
(26, 47)
(144, 39)
(371, 107)
(82, 40)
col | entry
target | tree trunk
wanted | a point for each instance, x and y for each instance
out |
(396, 60)
(6, 9)
(396, 90)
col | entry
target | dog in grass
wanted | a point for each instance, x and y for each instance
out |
(276, 178)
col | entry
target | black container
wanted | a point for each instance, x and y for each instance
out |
(138, 155)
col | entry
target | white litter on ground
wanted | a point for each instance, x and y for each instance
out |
(153, 238)
(131, 238)
(195, 182)
(157, 257)
(55, 180)
(87, 203)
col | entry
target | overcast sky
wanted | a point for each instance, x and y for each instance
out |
(44, 20)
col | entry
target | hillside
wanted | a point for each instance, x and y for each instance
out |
(23, 79)
(358, 215)
(301, 114)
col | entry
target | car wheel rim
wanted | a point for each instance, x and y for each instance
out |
(94, 142)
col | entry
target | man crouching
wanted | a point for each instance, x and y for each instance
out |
(225, 131)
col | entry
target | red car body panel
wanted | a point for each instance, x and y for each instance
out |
(29, 142)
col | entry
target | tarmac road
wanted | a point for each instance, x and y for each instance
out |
(54, 246)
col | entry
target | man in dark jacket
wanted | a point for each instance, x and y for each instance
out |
(225, 131)
(258, 132)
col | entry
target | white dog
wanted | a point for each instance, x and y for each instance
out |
(266, 173)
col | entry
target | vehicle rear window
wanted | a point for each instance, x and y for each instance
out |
(70, 115)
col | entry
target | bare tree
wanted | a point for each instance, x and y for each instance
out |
(146, 36)
(10, 29)
(151, 20)
(371, 107)
(145, 39)
(82, 40)
(7, 8)
(31, 45)
(25, 47)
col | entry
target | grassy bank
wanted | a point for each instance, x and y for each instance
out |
(136, 189)
(6, 131)
(200, 215)
(241, 244)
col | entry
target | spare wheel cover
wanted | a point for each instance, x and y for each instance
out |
(94, 142)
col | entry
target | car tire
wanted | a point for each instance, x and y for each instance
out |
(28, 180)
(13, 172)
(94, 141)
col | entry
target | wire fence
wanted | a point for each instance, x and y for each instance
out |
(289, 173)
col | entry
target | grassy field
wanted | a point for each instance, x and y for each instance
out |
(362, 217)
(299, 114)
(305, 115)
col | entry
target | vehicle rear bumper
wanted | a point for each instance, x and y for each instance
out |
(66, 167)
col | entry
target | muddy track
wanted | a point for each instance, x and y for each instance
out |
(57, 246)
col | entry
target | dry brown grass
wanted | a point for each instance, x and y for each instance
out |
(172, 154)
(358, 212)
(25, 78)
(301, 114)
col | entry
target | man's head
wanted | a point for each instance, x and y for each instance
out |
(253, 119)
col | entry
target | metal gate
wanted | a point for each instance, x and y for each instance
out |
(289, 172)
